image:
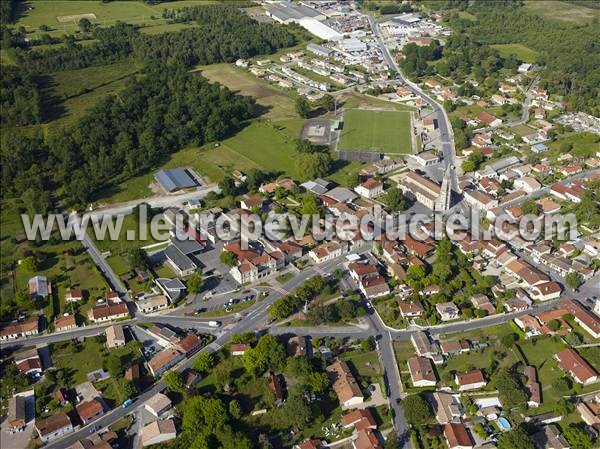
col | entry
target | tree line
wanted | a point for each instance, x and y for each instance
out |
(222, 34)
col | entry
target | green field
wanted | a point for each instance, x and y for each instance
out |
(562, 11)
(522, 52)
(385, 131)
(37, 13)
(278, 103)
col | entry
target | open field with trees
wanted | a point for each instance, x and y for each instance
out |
(372, 130)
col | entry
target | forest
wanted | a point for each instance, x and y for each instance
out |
(222, 34)
(166, 108)
(568, 53)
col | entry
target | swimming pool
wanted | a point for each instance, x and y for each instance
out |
(503, 423)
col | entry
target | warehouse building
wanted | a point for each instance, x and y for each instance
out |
(176, 179)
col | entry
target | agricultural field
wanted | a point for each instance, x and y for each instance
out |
(62, 16)
(374, 130)
(522, 52)
(563, 11)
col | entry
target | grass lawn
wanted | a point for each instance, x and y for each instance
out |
(522, 52)
(385, 131)
(89, 357)
(366, 364)
(124, 245)
(562, 11)
(584, 144)
(522, 130)
(279, 103)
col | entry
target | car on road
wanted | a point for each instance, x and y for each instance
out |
(214, 323)
(200, 310)
(127, 403)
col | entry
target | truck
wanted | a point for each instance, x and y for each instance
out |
(127, 403)
(214, 323)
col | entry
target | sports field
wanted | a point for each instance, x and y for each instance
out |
(373, 130)
(522, 52)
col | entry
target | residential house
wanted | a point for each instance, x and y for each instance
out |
(277, 386)
(174, 289)
(423, 345)
(471, 380)
(158, 405)
(64, 323)
(18, 329)
(164, 360)
(190, 344)
(447, 311)
(73, 295)
(17, 417)
(158, 432)
(115, 336)
(549, 437)
(39, 287)
(579, 369)
(421, 371)
(359, 419)
(412, 309)
(489, 120)
(53, 427)
(297, 346)
(328, 251)
(344, 384)
(108, 311)
(457, 437)
(152, 303)
(238, 349)
(482, 302)
(366, 439)
(533, 387)
(586, 319)
(28, 361)
(89, 410)
(446, 407)
(370, 188)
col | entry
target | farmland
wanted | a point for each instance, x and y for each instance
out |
(384, 131)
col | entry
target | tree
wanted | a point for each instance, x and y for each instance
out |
(228, 258)
(394, 199)
(313, 165)
(554, 325)
(127, 388)
(30, 264)
(368, 344)
(204, 362)
(114, 365)
(562, 385)
(317, 382)
(391, 441)
(515, 439)
(530, 208)
(328, 102)
(227, 186)
(577, 437)
(235, 410)
(573, 280)
(174, 382)
(195, 282)
(303, 107)
(416, 410)
(267, 354)
(138, 259)
(295, 413)
(510, 390)
(508, 340)
(84, 25)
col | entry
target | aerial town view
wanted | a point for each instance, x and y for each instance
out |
(300, 224)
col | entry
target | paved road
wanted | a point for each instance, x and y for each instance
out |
(445, 129)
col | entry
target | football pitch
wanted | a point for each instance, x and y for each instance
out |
(370, 130)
